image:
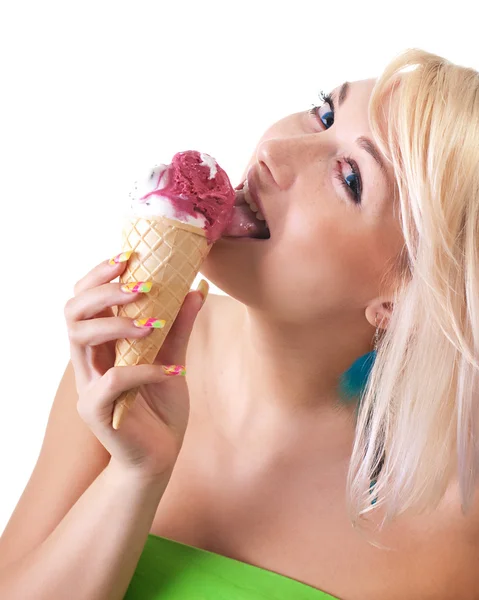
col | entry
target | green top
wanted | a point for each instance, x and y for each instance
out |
(170, 570)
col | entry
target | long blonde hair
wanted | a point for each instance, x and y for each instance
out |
(418, 423)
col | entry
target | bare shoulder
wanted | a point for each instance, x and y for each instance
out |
(448, 538)
(70, 459)
(457, 544)
(465, 522)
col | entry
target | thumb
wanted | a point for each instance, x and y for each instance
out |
(174, 347)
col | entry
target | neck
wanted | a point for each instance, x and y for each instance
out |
(283, 374)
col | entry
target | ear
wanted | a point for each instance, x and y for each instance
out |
(378, 313)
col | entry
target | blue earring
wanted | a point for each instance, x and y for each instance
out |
(353, 381)
(353, 384)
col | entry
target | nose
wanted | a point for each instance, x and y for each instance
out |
(286, 157)
(277, 155)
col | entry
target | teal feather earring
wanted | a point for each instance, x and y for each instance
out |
(353, 381)
(352, 385)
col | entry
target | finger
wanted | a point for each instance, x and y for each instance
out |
(97, 402)
(98, 331)
(106, 271)
(93, 301)
(176, 343)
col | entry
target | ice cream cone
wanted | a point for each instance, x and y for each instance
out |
(168, 253)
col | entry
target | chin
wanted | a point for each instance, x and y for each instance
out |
(236, 265)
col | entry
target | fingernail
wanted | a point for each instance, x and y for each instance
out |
(203, 288)
(119, 258)
(172, 370)
(155, 323)
(137, 287)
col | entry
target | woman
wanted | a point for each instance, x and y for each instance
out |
(268, 461)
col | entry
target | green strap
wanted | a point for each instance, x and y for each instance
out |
(170, 570)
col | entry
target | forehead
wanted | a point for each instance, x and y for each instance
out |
(357, 97)
(351, 103)
(363, 87)
(360, 93)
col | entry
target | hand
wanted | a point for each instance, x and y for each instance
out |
(151, 436)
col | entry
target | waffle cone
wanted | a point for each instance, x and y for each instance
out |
(168, 253)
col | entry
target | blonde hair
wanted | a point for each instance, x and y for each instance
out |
(418, 423)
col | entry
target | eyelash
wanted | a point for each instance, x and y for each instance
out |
(356, 197)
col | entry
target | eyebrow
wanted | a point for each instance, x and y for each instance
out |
(364, 142)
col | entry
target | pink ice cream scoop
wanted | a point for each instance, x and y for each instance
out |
(193, 189)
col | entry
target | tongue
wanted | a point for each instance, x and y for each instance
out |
(245, 224)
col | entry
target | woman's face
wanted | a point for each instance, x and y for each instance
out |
(333, 227)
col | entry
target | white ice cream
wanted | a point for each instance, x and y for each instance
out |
(209, 161)
(160, 206)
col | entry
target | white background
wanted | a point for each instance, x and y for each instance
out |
(93, 93)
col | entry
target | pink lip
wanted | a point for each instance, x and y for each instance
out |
(252, 177)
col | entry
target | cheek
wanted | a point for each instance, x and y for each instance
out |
(329, 264)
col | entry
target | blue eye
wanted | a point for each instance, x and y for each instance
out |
(353, 182)
(329, 115)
